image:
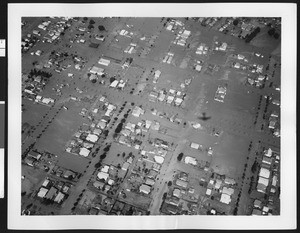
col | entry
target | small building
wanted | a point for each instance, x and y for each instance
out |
(46, 183)
(145, 189)
(97, 70)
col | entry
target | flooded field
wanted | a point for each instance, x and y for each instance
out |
(151, 116)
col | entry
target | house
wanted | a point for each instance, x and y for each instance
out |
(174, 201)
(256, 212)
(181, 183)
(267, 160)
(269, 152)
(137, 111)
(51, 193)
(69, 174)
(34, 155)
(274, 181)
(190, 160)
(92, 138)
(171, 209)
(84, 152)
(101, 124)
(96, 70)
(159, 159)
(59, 197)
(125, 166)
(46, 183)
(264, 173)
(150, 182)
(261, 188)
(98, 184)
(208, 192)
(114, 83)
(102, 176)
(30, 161)
(145, 189)
(223, 46)
(257, 204)
(195, 145)
(176, 192)
(229, 181)
(225, 198)
(104, 62)
(42, 192)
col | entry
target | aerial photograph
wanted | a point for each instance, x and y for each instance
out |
(150, 116)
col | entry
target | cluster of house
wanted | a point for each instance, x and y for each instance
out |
(223, 187)
(220, 94)
(168, 58)
(260, 209)
(28, 42)
(256, 81)
(268, 174)
(274, 123)
(173, 25)
(32, 158)
(178, 195)
(56, 29)
(172, 97)
(56, 191)
(221, 46)
(32, 86)
(96, 71)
(126, 33)
(202, 49)
(182, 37)
(208, 21)
(107, 175)
(44, 100)
(130, 48)
(58, 58)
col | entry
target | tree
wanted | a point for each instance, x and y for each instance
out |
(97, 165)
(276, 35)
(92, 21)
(85, 18)
(170, 183)
(180, 156)
(91, 26)
(103, 156)
(235, 22)
(271, 31)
